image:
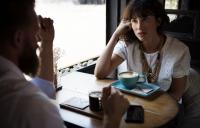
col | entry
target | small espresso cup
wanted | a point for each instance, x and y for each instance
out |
(130, 78)
(95, 101)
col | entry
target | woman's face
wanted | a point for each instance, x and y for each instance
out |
(145, 27)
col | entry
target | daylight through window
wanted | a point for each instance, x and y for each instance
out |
(80, 28)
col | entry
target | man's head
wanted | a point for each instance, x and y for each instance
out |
(19, 34)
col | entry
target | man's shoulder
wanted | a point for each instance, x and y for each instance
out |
(25, 102)
(38, 110)
(18, 86)
(31, 95)
(23, 93)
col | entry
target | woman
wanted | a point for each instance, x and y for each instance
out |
(140, 41)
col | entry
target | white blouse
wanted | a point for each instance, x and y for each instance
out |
(175, 60)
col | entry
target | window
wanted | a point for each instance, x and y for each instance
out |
(80, 28)
(171, 4)
(183, 22)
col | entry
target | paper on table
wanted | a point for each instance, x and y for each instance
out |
(142, 89)
(76, 102)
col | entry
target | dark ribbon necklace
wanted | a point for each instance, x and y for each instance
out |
(152, 76)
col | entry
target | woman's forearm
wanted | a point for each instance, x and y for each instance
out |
(178, 87)
(104, 64)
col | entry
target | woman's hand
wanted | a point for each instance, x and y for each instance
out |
(122, 27)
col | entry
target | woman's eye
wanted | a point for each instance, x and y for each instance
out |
(146, 18)
(133, 20)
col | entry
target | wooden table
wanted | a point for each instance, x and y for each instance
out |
(158, 108)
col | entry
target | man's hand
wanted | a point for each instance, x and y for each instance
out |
(114, 106)
(47, 31)
(46, 54)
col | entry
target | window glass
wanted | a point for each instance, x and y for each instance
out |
(171, 4)
(80, 28)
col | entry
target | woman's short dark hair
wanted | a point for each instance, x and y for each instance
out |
(143, 8)
(14, 14)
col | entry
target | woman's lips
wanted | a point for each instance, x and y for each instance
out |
(141, 34)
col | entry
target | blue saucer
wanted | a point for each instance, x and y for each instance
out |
(141, 89)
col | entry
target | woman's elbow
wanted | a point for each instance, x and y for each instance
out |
(99, 75)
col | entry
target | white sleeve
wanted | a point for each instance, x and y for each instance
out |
(45, 86)
(120, 49)
(182, 65)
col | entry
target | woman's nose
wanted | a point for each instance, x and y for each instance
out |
(140, 24)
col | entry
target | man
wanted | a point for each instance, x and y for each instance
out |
(22, 104)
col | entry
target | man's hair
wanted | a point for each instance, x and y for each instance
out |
(14, 14)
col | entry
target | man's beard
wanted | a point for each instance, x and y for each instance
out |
(29, 61)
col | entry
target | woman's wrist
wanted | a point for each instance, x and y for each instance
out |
(116, 35)
(114, 39)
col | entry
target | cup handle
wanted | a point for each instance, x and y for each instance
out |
(142, 78)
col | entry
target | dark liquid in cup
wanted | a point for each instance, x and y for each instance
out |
(95, 101)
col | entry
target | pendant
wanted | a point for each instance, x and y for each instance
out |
(150, 78)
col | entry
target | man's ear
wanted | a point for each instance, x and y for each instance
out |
(18, 39)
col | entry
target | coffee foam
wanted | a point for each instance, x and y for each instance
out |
(128, 74)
